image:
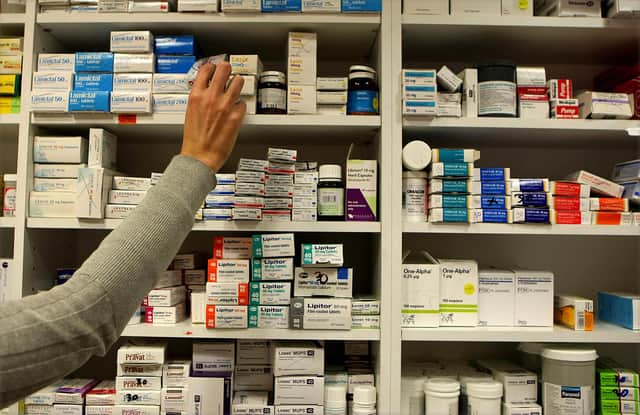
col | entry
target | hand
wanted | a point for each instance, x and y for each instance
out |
(213, 116)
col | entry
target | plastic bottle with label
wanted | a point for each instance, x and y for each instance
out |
(497, 89)
(441, 396)
(9, 195)
(414, 196)
(330, 193)
(363, 96)
(272, 93)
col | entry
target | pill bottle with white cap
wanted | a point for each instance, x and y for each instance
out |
(364, 400)
(413, 395)
(330, 193)
(441, 396)
(569, 378)
(9, 195)
(335, 400)
(416, 155)
(484, 397)
(414, 196)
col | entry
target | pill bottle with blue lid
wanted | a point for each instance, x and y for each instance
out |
(363, 97)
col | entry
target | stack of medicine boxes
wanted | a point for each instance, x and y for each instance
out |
(249, 189)
(139, 378)
(133, 66)
(233, 6)
(53, 82)
(419, 92)
(618, 391)
(569, 203)
(211, 380)
(305, 193)
(71, 394)
(175, 55)
(322, 275)
(299, 378)
(563, 105)
(57, 161)
(227, 288)
(332, 95)
(165, 304)
(449, 100)
(219, 202)
(253, 376)
(10, 78)
(458, 192)
(272, 273)
(302, 69)
(125, 195)
(101, 399)
(611, 206)
(530, 200)
(627, 175)
(175, 386)
(278, 187)
(41, 402)
(249, 67)
(533, 101)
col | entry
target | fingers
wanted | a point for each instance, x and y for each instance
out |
(220, 78)
(232, 125)
(204, 75)
(234, 90)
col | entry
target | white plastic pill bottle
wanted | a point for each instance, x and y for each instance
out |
(441, 396)
(485, 397)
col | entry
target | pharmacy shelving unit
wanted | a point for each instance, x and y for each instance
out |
(147, 143)
(585, 259)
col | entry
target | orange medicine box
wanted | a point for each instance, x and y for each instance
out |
(226, 317)
(612, 218)
(574, 312)
(609, 204)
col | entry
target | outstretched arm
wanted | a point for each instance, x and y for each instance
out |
(46, 336)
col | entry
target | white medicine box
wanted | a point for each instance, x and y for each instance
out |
(459, 293)
(517, 7)
(476, 7)
(420, 291)
(496, 298)
(534, 299)
(426, 7)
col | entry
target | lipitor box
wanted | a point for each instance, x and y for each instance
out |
(52, 80)
(301, 358)
(141, 353)
(52, 205)
(226, 317)
(131, 102)
(253, 378)
(270, 293)
(59, 149)
(92, 192)
(136, 410)
(361, 190)
(598, 184)
(459, 293)
(49, 100)
(534, 299)
(56, 62)
(269, 317)
(153, 383)
(133, 82)
(220, 293)
(300, 390)
(165, 297)
(253, 352)
(421, 291)
(272, 269)
(140, 41)
(126, 197)
(218, 357)
(321, 314)
(273, 245)
(228, 270)
(323, 282)
(241, 6)
(496, 298)
(322, 255)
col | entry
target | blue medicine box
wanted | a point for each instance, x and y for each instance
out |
(361, 6)
(94, 101)
(175, 45)
(495, 215)
(94, 62)
(620, 309)
(174, 64)
(87, 82)
(280, 6)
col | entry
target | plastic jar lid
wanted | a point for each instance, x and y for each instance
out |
(570, 353)
(413, 384)
(416, 155)
(361, 68)
(330, 171)
(335, 396)
(442, 385)
(464, 380)
(273, 76)
(531, 348)
(484, 389)
(358, 75)
(364, 395)
(414, 175)
(10, 177)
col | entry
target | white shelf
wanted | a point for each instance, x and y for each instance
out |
(602, 333)
(527, 37)
(9, 119)
(7, 222)
(213, 226)
(12, 19)
(198, 331)
(521, 229)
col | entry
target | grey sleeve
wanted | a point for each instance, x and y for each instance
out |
(47, 336)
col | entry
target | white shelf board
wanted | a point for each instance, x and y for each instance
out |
(12, 19)
(602, 333)
(526, 38)
(198, 331)
(244, 33)
(7, 222)
(214, 226)
(9, 119)
(520, 229)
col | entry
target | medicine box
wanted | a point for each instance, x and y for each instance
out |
(59, 149)
(574, 312)
(605, 105)
(272, 269)
(280, 6)
(496, 298)
(176, 373)
(321, 313)
(170, 103)
(209, 396)
(174, 64)
(52, 205)
(92, 192)
(10, 64)
(517, 7)
(621, 309)
(228, 270)
(134, 63)
(94, 62)
(253, 352)
(520, 386)
(138, 369)
(187, 261)
(141, 353)
(103, 149)
(56, 171)
(165, 297)
(299, 390)
(208, 6)
(321, 255)
(568, 8)
(365, 307)
(140, 41)
(441, 170)
(325, 6)
(198, 307)
(169, 278)
(133, 82)
(231, 293)
(365, 322)
(332, 83)
(136, 409)
(170, 83)
(270, 293)
(476, 8)
(67, 409)
(458, 293)
(233, 6)
(175, 45)
(89, 82)
(54, 185)
(323, 282)
(530, 409)
(534, 299)
(246, 64)
(226, 317)
(217, 357)
(627, 171)
(298, 358)
(253, 378)
(165, 315)
(598, 184)
(426, 7)
(126, 197)
(299, 410)
(94, 101)
(50, 100)
(569, 189)
(611, 373)
(361, 6)
(361, 191)
(56, 62)
(104, 393)
(269, 316)
(131, 183)
(52, 80)
(273, 245)
(301, 99)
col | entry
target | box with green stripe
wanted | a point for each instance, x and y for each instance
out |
(270, 293)
(618, 407)
(420, 290)
(268, 317)
(611, 373)
(459, 293)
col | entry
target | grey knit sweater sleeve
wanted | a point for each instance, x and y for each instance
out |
(47, 336)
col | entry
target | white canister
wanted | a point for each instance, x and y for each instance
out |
(413, 395)
(414, 196)
(416, 155)
(484, 397)
(364, 400)
(441, 396)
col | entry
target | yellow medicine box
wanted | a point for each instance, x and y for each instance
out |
(9, 105)
(10, 85)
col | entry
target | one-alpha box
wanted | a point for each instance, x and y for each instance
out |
(421, 291)
(459, 293)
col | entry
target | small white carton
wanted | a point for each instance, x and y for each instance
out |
(176, 373)
(131, 102)
(214, 356)
(270, 293)
(426, 7)
(517, 7)
(253, 352)
(365, 307)
(50, 100)
(54, 185)
(324, 6)
(496, 298)
(298, 358)
(140, 41)
(92, 192)
(476, 8)
(207, 396)
(133, 82)
(165, 297)
(165, 315)
(534, 299)
(153, 383)
(245, 64)
(138, 369)
(134, 62)
(52, 205)
(299, 410)
(301, 99)
(56, 171)
(56, 62)
(321, 313)
(141, 353)
(299, 390)
(59, 149)
(253, 378)
(136, 410)
(459, 293)
(52, 80)
(198, 307)
(170, 83)
(103, 149)
(273, 245)
(323, 282)
(420, 291)
(141, 184)
(126, 197)
(240, 6)
(118, 211)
